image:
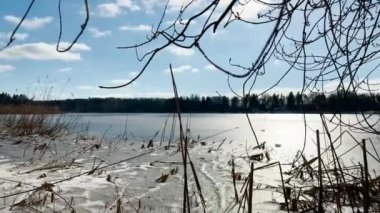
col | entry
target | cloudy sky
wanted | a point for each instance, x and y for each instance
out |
(32, 66)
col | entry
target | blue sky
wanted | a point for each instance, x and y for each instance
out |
(32, 66)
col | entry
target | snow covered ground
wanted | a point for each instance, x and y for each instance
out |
(67, 162)
(93, 174)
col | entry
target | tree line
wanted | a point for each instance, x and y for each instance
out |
(7, 99)
(318, 102)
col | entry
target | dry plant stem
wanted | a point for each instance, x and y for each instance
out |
(164, 130)
(221, 143)
(67, 203)
(172, 130)
(242, 200)
(253, 131)
(234, 181)
(198, 185)
(185, 155)
(183, 143)
(250, 190)
(336, 160)
(118, 210)
(283, 187)
(320, 197)
(218, 133)
(366, 184)
(247, 184)
(373, 147)
(328, 176)
(246, 198)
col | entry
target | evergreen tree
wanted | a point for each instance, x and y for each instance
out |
(290, 101)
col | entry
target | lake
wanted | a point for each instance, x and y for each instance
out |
(124, 166)
(284, 131)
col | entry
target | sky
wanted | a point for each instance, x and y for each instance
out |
(32, 66)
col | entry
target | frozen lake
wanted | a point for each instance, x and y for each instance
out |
(129, 172)
(286, 130)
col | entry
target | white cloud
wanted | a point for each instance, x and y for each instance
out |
(150, 6)
(76, 47)
(278, 90)
(96, 33)
(115, 9)
(18, 36)
(133, 74)
(30, 24)
(65, 69)
(329, 87)
(182, 69)
(109, 10)
(128, 93)
(247, 10)
(194, 70)
(6, 68)
(178, 51)
(128, 4)
(125, 92)
(250, 10)
(210, 67)
(43, 51)
(82, 11)
(119, 81)
(86, 87)
(140, 27)
(177, 4)
(362, 87)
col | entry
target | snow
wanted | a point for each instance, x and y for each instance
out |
(69, 163)
(131, 180)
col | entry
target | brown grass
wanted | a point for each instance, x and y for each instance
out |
(22, 120)
(28, 109)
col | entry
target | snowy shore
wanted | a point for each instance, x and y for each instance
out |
(92, 174)
(84, 173)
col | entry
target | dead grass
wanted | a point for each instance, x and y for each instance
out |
(23, 120)
(34, 124)
(28, 109)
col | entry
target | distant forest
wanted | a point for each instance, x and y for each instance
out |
(334, 103)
